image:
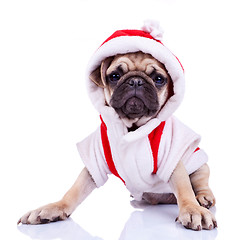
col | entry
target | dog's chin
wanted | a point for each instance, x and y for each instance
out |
(134, 111)
(133, 108)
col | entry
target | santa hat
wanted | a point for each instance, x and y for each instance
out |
(147, 40)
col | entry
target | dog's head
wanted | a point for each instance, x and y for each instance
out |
(136, 85)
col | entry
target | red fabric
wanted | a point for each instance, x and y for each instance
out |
(197, 149)
(155, 139)
(107, 150)
(130, 33)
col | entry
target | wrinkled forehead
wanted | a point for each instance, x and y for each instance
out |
(136, 62)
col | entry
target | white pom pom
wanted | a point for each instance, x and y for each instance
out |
(153, 27)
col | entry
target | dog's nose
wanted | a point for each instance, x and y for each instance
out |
(135, 82)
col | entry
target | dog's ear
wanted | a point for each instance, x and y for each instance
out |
(98, 76)
(95, 77)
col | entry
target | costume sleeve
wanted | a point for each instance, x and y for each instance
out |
(181, 144)
(91, 152)
(195, 161)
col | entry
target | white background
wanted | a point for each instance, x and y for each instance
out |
(44, 48)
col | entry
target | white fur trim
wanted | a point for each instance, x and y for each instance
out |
(127, 44)
(141, 131)
(153, 27)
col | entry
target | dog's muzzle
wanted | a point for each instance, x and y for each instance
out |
(134, 104)
(135, 96)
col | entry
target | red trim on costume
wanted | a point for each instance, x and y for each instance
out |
(107, 150)
(155, 139)
(197, 149)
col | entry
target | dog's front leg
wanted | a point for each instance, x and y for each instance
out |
(62, 209)
(191, 214)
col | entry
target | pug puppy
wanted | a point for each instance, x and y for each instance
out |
(137, 87)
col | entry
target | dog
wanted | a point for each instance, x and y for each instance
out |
(136, 88)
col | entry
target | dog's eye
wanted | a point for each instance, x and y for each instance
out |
(159, 80)
(114, 77)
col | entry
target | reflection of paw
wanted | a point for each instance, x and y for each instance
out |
(195, 217)
(50, 213)
(206, 198)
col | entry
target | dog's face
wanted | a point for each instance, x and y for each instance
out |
(136, 85)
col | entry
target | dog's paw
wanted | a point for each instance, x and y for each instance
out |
(195, 217)
(49, 213)
(206, 198)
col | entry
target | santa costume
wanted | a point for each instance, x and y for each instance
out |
(143, 159)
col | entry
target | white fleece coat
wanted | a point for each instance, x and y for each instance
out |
(133, 157)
